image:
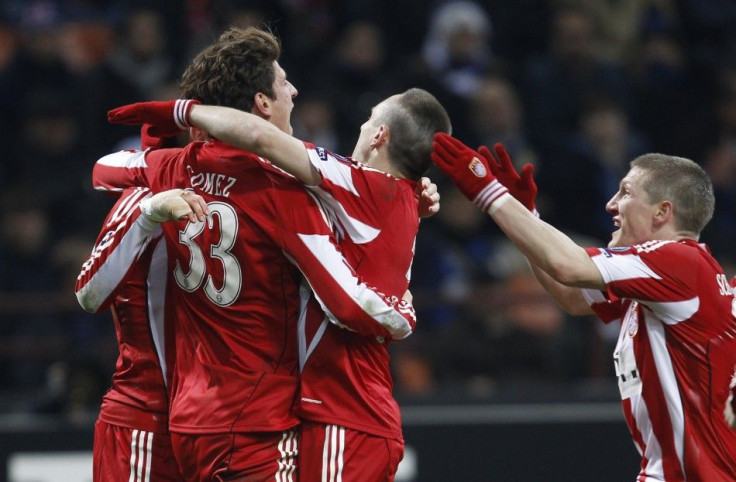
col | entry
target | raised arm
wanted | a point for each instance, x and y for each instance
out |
(544, 246)
(237, 128)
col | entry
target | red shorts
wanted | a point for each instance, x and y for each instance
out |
(331, 452)
(242, 457)
(123, 454)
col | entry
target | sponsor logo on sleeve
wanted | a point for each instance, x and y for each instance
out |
(322, 153)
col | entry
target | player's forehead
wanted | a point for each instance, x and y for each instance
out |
(279, 72)
(634, 179)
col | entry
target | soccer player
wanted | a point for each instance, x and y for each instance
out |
(131, 439)
(351, 424)
(677, 349)
(237, 276)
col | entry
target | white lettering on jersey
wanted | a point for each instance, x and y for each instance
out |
(723, 287)
(650, 246)
(213, 183)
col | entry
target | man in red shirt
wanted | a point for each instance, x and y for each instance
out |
(351, 424)
(131, 440)
(676, 348)
(238, 297)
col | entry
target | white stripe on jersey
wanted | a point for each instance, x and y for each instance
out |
(141, 444)
(127, 159)
(592, 296)
(668, 381)
(623, 267)
(673, 312)
(289, 450)
(373, 305)
(340, 174)
(306, 349)
(653, 452)
(156, 283)
(357, 231)
(333, 451)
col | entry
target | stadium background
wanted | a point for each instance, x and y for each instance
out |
(497, 383)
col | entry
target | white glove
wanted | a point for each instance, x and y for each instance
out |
(166, 206)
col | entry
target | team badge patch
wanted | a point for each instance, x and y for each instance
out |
(477, 168)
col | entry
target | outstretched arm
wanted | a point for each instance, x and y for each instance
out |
(544, 246)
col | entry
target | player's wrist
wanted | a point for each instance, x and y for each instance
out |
(149, 212)
(182, 111)
(491, 194)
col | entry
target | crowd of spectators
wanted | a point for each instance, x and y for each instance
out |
(579, 88)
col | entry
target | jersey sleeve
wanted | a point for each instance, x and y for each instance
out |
(125, 235)
(157, 169)
(120, 170)
(659, 274)
(357, 197)
(347, 300)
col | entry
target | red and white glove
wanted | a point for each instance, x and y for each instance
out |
(167, 118)
(149, 141)
(469, 171)
(522, 187)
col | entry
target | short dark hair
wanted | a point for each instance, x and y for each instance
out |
(682, 182)
(412, 124)
(234, 69)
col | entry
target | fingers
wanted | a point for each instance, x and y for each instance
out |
(197, 205)
(503, 156)
(527, 174)
(492, 161)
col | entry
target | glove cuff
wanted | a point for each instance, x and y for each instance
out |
(489, 194)
(182, 107)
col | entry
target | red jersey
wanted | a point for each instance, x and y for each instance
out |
(345, 377)
(674, 356)
(237, 274)
(127, 272)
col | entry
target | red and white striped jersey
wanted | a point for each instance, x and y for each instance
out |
(346, 379)
(237, 283)
(674, 357)
(127, 272)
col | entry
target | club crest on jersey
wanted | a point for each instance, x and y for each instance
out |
(632, 321)
(477, 168)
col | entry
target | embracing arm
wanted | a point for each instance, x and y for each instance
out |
(252, 133)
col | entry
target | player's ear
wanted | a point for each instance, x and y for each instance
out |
(380, 137)
(664, 212)
(262, 105)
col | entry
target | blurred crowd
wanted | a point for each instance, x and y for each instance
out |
(576, 87)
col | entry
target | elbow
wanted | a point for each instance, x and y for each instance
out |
(88, 303)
